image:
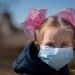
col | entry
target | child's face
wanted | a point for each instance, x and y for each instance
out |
(57, 37)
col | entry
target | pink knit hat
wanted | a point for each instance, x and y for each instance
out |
(33, 20)
(68, 14)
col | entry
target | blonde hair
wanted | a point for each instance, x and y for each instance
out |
(52, 21)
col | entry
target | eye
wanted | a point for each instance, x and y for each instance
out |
(50, 44)
(64, 44)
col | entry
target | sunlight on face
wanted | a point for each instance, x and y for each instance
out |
(57, 37)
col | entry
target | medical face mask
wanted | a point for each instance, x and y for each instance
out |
(56, 58)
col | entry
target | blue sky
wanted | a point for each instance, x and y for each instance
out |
(20, 7)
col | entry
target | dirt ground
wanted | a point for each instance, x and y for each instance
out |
(6, 59)
(6, 69)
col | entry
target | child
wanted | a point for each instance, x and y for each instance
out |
(52, 48)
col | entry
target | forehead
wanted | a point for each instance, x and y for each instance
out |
(57, 35)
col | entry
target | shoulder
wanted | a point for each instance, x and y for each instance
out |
(24, 62)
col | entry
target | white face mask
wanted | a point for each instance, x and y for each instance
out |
(56, 58)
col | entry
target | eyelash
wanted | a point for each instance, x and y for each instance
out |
(62, 45)
(52, 45)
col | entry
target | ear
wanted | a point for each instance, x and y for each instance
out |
(37, 44)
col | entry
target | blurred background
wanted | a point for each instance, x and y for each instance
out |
(12, 37)
(12, 41)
